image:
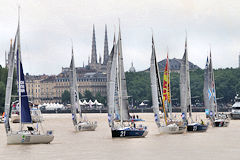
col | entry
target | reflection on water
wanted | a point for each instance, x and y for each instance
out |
(216, 143)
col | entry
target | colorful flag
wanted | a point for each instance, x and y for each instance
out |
(166, 84)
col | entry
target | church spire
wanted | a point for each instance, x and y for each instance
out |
(105, 57)
(186, 43)
(94, 50)
(185, 56)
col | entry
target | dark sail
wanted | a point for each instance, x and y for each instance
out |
(25, 110)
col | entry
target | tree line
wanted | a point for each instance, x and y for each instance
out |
(227, 82)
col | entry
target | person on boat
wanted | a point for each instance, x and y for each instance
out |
(211, 113)
(133, 116)
(202, 122)
(185, 121)
(137, 116)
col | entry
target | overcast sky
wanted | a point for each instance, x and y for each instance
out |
(47, 27)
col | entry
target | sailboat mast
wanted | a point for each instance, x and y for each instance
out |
(19, 62)
(19, 88)
(120, 75)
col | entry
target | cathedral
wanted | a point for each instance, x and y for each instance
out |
(94, 63)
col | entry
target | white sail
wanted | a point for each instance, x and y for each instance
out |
(123, 100)
(155, 78)
(185, 92)
(109, 64)
(8, 93)
(214, 95)
(111, 81)
(206, 87)
(116, 84)
(74, 92)
(211, 89)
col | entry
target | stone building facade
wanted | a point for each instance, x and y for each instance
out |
(49, 89)
(34, 87)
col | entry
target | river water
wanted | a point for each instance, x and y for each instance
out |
(215, 144)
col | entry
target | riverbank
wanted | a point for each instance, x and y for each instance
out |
(140, 110)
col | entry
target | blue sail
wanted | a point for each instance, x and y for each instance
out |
(25, 110)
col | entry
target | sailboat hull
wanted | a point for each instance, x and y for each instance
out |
(27, 138)
(221, 123)
(129, 133)
(172, 129)
(87, 126)
(197, 127)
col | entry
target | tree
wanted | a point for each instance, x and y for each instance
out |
(3, 83)
(2, 96)
(88, 95)
(80, 95)
(66, 97)
(138, 86)
(100, 98)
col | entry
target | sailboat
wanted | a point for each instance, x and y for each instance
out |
(118, 114)
(169, 126)
(83, 124)
(235, 113)
(210, 100)
(31, 135)
(185, 96)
